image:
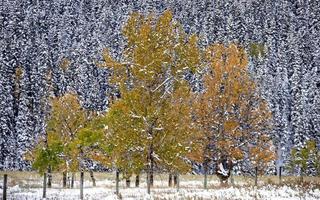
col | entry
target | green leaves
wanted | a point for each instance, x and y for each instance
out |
(72, 134)
(154, 112)
(50, 156)
(303, 156)
(257, 50)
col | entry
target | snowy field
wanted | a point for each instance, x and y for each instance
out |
(190, 188)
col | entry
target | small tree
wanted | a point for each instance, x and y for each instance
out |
(262, 155)
(67, 117)
(48, 154)
(304, 157)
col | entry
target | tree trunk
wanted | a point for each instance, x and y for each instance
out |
(205, 171)
(5, 181)
(256, 177)
(44, 192)
(170, 180)
(64, 179)
(117, 182)
(137, 180)
(49, 177)
(72, 179)
(93, 179)
(81, 184)
(128, 182)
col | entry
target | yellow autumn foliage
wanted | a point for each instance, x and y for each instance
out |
(230, 114)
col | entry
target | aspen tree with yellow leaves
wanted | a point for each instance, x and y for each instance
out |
(151, 124)
(230, 114)
(69, 140)
(67, 117)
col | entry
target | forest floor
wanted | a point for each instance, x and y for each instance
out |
(28, 186)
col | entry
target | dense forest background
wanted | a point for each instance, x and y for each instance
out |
(39, 37)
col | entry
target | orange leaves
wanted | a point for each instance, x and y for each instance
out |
(236, 57)
(230, 126)
(262, 153)
(224, 59)
(216, 57)
(226, 114)
(236, 153)
(230, 111)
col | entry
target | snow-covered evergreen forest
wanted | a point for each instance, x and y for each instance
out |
(37, 37)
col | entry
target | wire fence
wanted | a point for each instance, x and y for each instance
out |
(20, 183)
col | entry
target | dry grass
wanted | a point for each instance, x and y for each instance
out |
(33, 179)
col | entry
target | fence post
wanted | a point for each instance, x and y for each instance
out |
(49, 177)
(72, 179)
(128, 182)
(117, 182)
(148, 181)
(81, 184)
(170, 180)
(178, 182)
(205, 170)
(280, 174)
(64, 179)
(256, 177)
(44, 192)
(175, 179)
(5, 181)
(137, 180)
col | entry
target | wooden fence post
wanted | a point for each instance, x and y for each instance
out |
(128, 182)
(5, 181)
(137, 180)
(44, 192)
(72, 179)
(81, 184)
(205, 170)
(117, 182)
(178, 182)
(49, 177)
(64, 179)
(280, 175)
(148, 181)
(170, 180)
(256, 177)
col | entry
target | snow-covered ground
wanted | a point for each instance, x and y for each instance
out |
(189, 190)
